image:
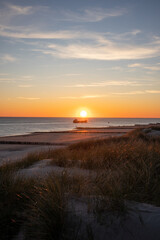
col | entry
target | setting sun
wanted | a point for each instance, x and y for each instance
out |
(83, 113)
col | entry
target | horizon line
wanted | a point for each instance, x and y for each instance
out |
(75, 117)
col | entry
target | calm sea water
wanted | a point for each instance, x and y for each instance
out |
(15, 126)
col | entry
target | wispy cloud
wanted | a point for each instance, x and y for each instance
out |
(25, 86)
(112, 94)
(93, 14)
(102, 52)
(19, 10)
(152, 68)
(27, 77)
(93, 96)
(124, 36)
(129, 93)
(137, 92)
(31, 33)
(134, 65)
(143, 66)
(98, 46)
(28, 98)
(8, 58)
(72, 74)
(153, 91)
(108, 83)
(117, 68)
(7, 80)
(135, 32)
(83, 97)
(16, 79)
(9, 12)
(20, 32)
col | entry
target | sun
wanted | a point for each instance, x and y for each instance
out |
(83, 113)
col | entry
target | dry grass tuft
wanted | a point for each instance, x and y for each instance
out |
(126, 168)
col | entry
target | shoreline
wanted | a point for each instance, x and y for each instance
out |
(24, 126)
(14, 147)
(61, 137)
(86, 129)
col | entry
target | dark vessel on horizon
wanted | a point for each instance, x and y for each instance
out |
(79, 121)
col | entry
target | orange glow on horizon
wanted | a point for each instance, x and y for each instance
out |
(126, 107)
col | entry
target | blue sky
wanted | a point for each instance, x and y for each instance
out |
(62, 51)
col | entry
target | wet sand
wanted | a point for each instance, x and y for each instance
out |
(16, 147)
(65, 137)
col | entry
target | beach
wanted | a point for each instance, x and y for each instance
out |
(99, 178)
(17, 147)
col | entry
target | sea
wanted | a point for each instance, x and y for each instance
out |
(24, 125)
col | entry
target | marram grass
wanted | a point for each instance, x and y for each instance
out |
(125, 168)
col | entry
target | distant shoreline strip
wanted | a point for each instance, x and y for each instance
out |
(32, 143)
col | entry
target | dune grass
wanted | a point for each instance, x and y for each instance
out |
(126, 168)
(36, 207)
(15, 192)
(27, 161)
(108, 153)
(47, 210)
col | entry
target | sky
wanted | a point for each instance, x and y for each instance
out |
(62, 56)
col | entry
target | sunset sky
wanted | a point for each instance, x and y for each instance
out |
(58, 57)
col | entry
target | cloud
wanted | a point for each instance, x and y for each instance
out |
(93, 14)
(108, 83)
(93, 96)
(72, 74)
(31, 33)
(7, 79)
(19, 10)
(28, 98)
(152, 68)
(86, 45)
(84, 97)
(117, 68)
(16, 79)
(8, 58)
(25, 86)
(135, 65)
(153, 91)
(102, 52)
(129, 93)
(113, 93)
(19, 32)
(135, 32)
(143, 66)
(10, 12)
(27, 77)
(124, 36)
(137, 92)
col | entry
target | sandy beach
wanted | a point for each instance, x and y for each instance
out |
(65, 137)
(138, 220)
(17, 147)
